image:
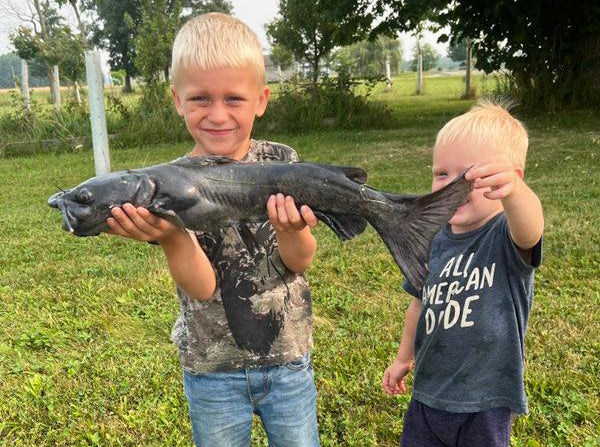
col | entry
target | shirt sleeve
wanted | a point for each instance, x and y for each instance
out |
(285, 153)
(270, 151)
(516, 259)
(410, 289)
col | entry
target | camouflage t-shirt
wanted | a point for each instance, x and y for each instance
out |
(261, 312)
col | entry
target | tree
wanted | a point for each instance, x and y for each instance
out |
(76, 66)
(67, 50)
(551, 50)
(429, 55)
(10, 65)
(281, 56)
(50, 25)
(368, 58)
(115, 31)
(196, 7)
(457, 51)
(44, 23)
(83, 29)
(160, 22)
(310, 29)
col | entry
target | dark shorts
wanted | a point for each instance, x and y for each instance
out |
(427, 427)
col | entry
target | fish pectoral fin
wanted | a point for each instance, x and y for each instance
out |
(343, 225)
(166, 214)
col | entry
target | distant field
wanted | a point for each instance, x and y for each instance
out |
(85, 355)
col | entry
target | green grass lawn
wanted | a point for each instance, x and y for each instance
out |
(85, 355)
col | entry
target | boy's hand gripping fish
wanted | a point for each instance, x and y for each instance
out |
(207, 193)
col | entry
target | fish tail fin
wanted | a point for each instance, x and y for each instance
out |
(408, 230)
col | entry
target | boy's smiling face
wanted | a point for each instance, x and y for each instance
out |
(449, 161)
(219, 107)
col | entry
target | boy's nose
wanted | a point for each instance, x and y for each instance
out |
(217, 113)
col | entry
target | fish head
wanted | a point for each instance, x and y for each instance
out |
(86, 207)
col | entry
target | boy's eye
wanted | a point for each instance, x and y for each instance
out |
(234, 99)
(440, 174)
(200, 99)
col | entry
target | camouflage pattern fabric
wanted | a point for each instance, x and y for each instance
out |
(260, 313)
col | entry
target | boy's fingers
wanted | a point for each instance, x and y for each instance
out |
(489, 169)
(497, 179)
(293, 215)
(498, 193)
(140, 225)
(272, 209)
(115, 227)
(150, 218)
(388, 385)
(308, 216)
(120, 218)
(281, 211)
(126, 225)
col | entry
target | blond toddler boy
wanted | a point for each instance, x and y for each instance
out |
(464, 330)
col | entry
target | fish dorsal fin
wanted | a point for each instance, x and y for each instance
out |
(357, 175)
(212, 160)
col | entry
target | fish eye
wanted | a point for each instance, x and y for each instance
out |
(84, 196)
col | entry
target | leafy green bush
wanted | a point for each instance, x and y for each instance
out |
(42, 129)
(152, 119)
(340, 102)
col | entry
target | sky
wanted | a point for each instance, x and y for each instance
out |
(255, 14)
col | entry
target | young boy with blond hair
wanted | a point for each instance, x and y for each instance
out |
(465, 329)
(244, 330)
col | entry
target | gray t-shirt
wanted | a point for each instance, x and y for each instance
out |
(261, 312)
(469, 344)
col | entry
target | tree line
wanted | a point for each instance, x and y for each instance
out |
(137, 34)
(549, 51)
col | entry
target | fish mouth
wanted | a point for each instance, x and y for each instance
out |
(57, 201)
(70, 222)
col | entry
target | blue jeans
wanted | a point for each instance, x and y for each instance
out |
(284, 396)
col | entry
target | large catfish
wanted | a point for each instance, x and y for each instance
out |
(207, 193)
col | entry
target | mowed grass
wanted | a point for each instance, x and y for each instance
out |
(85, 355)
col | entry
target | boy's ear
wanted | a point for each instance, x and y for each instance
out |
(263, 100)
(520, 172)
(177, 101)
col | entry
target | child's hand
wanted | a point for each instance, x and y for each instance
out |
(497, 173)
(140, 224)
(284, 215)
(393, 377)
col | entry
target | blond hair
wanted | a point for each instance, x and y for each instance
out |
(216, 40)
(489, 124)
